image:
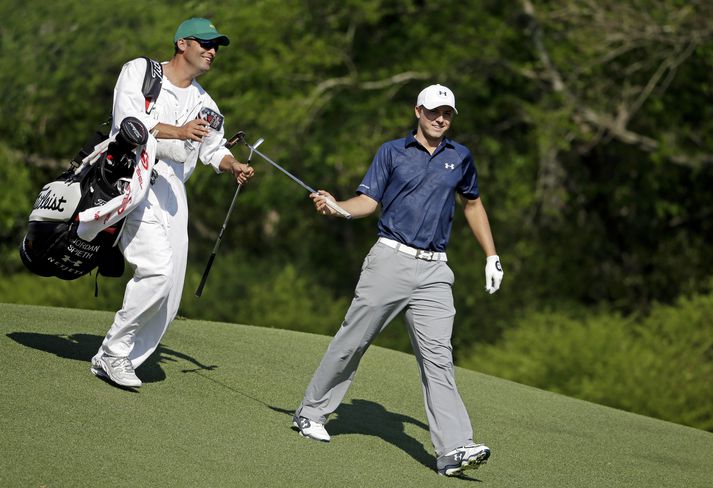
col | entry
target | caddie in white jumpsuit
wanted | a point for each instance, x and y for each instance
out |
(154, 240)
(415, 179)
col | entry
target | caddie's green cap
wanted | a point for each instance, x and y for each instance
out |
(202, 29)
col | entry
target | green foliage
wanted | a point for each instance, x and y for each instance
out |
(35, 290)
(275, 295)
(290, 300)
(16, 200)
(71, 53)
(659, 365)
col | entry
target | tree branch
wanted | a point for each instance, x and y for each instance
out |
(325, 91)
(44, 162)
(617, 125)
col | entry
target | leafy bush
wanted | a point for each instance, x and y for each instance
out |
(16, 201)
(660, 365)
(290, 300)
(274, 294)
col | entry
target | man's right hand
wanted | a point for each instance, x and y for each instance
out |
(320, 202)
(193, 130)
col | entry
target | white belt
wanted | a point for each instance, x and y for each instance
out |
(411, 251)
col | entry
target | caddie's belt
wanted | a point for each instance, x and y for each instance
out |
(412, 251)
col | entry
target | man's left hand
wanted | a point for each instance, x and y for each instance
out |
(242, 172)
(493, 274)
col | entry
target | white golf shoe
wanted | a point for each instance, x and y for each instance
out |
(310, 429)
(118, 370)
(466, 457)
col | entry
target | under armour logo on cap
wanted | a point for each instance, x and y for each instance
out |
(435, 96)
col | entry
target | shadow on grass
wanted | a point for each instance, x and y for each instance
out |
(370, 418)
(81, 347)
(362, 417)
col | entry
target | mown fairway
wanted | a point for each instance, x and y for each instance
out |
(216, 406)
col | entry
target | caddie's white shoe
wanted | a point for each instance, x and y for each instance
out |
(310, 429)
(466, 457)
(116, 369)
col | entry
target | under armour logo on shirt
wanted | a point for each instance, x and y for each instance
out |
(451, 166)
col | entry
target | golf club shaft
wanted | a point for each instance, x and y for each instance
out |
(330, 203)
(294, 178)
(209, 265)
(233, 141)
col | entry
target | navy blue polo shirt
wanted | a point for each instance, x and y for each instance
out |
(417, 190)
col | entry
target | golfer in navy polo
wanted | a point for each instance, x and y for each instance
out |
(415, 180)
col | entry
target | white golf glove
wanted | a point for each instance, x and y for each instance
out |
(493, 274)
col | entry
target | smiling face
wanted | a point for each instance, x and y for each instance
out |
(433, 124)
(198, 54)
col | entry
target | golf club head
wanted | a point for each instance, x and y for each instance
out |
(239, 136)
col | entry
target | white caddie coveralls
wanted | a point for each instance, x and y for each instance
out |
(154, 240)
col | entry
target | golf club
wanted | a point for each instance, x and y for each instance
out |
(233, 141)
(330, 203)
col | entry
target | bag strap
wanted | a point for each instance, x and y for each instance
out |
(152, 82)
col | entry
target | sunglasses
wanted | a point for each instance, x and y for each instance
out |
(207, 45)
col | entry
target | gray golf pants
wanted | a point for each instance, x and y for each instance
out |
(390, 282)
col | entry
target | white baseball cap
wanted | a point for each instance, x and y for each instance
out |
(436, 95)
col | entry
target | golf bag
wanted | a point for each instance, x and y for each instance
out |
(51, 246)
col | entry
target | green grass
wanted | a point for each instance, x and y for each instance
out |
(216, 406)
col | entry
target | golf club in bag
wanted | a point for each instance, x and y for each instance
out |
(233, 141)
(51, 246)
